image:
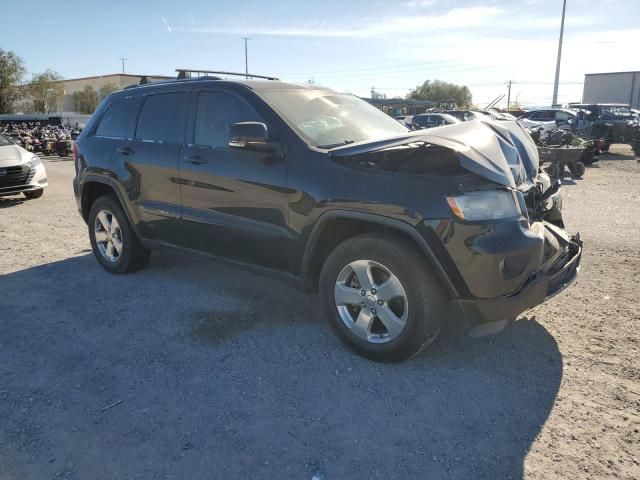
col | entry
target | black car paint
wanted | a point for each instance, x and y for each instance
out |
(269, 210)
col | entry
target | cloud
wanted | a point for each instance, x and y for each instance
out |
(166, 24)
(375, 27)
(420, 3)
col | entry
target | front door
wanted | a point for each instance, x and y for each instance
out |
(235, 202)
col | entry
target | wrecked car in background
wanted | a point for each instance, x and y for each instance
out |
(391, 227)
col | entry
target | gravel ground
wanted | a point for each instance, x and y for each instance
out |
(192, 370)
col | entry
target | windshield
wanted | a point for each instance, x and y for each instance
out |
(4, 141)
(328, 119)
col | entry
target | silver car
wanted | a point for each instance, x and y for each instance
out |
(20, 170)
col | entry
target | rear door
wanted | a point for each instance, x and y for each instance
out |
(152, 159)
(235, 202)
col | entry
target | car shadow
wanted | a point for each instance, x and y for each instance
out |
(244, 371)
(6, 202)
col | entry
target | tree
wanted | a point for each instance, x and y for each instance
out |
(47, 91)
(107, 89)
(86, 100)
(11, 74)
(439, 91)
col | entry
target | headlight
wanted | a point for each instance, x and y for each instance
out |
(485, 205)
(34, 162)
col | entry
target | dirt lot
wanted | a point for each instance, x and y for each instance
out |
(191, 370)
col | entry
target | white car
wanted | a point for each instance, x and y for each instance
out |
(20, 171)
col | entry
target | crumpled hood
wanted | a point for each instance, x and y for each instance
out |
(502, 152)
(11, 155)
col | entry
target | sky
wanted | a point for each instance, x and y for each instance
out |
(348, 45)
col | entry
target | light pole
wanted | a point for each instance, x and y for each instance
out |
(554, 101)
(246, 57)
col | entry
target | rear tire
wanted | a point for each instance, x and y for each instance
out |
(577, 169)
(402, 310)
(113, 240)
(33, 194)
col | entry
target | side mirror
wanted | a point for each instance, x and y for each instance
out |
(251, 136)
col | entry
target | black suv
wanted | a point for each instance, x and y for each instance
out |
(392, 227)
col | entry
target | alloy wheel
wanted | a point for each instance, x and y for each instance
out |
(108, 235)
(371, 301)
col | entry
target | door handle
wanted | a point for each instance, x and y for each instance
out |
(195, 159)
(125, 150)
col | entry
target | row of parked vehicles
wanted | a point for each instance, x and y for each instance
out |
(567, 138)
(448, 117)
(41, 138)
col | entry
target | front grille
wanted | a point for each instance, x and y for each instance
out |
(14, 176)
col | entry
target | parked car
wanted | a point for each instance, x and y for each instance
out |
(463, 115)
(612, 121)
(549, 118)
(430, 120)
(20, 170)
(404, 119)
(393, 228)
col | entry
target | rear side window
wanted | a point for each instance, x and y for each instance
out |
(163, 117)
(119, 119)
(215, 113)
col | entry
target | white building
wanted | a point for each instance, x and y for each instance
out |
(616, 87)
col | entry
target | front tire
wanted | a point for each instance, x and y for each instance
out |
(401, 310)
(113, 240)
(33, 194)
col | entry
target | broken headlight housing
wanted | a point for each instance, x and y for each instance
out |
(485, 205)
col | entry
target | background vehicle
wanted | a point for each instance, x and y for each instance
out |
(391, 227)
(430, 120)
(404, 119)
(614, 123)
(548, 118)
(463, 115)
(20, 171)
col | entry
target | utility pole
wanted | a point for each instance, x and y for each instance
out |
(554, 101)
(122, 59)
(246, 57)
(508, 95)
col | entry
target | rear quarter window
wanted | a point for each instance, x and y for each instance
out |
(119, 119)
(163, 117)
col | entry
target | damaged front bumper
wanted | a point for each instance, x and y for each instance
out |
(538, 288)
(501, 269)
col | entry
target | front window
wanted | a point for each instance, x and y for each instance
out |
(328, 119)
(4, 141)
(215, 113)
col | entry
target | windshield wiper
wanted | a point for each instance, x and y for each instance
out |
(339, 144)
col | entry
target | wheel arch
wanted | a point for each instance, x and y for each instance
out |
(95, 186)
(336, 226)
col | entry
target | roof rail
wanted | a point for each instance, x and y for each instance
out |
(186, 73)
